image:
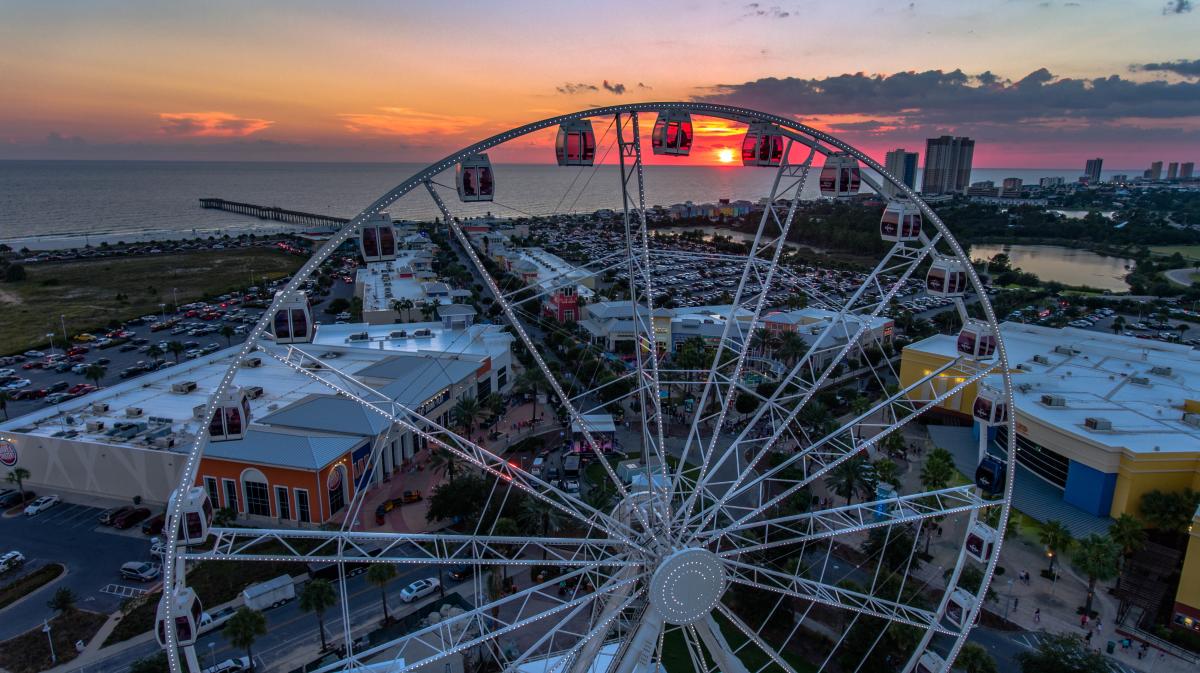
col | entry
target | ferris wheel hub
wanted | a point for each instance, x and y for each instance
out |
(687, 585)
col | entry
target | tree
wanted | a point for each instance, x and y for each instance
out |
(176, 348)
(15, 273)
(317, 597)
(63, 600)
(973, 658)
(1128, 533)
(227, 332)
(380, 575)
(791, 347)
(1057, 653)
(1057, 539)
(530, 382)
(466, 413)
(852, 476)
(154, 351)
(95, 373)
(1170, 512)
(886, 471)
(462, 498)
(154, 663)
(4, 398)
(938, 470)
(540, 517)
(444, 462)
(1099, 558)
(17, 476)
(245, 627)
(1118, 324)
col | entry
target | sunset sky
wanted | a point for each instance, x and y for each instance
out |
(1038, 84)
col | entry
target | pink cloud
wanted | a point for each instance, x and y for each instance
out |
(209, 124)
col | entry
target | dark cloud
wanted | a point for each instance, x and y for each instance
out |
(1181, 67)
(772, 12)
(615, 87)
(576, 87)
(644, 86)
(955, 98)
(1178, 7)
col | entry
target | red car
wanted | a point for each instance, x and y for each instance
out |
(129, 518)
(36, 364)
(81, 388)
(31, 394)
(191, 314)
(78, 350)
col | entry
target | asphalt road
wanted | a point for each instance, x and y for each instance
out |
(69, 534)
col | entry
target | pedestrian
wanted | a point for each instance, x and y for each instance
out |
(1088, 638)
(1037, 616)
(1083, 621)
(1016, 602)
(1099, 625)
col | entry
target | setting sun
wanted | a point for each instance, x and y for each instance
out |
(725, 155)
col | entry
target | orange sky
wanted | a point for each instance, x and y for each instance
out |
(412, 81)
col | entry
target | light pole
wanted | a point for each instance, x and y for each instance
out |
(175, 296)
(50, 336)
(46, 630)
(62, 320)
(212, 653)
(1008, 603)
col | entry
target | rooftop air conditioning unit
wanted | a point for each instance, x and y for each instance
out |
(359, 336)
(398, 334)
(1066, 350)
(1160, 371)
(1100, 424)
(1041, 359)
(1024, 367)
(272, 406)
(99, 407)
(95, 426)
(252, 362)
(254, 392)
(198, 410)
(1192, 420)
(133, 412)
(183, 387)
(163, 442)
(423, 332)
(1054, 400)
(1139, 380)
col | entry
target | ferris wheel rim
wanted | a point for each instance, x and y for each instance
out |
(173, 574)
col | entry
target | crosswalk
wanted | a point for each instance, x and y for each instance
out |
(122, 590)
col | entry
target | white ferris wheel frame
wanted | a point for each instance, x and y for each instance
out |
(594, 554)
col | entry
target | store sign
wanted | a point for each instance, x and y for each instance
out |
(8, 453)
(334, 481)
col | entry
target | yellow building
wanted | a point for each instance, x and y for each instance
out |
(1187, 599)
(1103, 418)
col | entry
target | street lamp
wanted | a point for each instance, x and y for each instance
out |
(50, 336)
(1008, 603)
(46, 630)
(212, 653)
(175, 296)
(62, 319)
(163, 309)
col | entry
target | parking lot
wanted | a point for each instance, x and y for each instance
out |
(69, 533)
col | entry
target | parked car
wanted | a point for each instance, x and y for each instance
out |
(460, 573)
(11, 561)
(41, 504)
(58, 386)
(230, 666)
(14, 498)
(141, 571)
(419, 589)
(154, 525)
(106, 518)
(128, 519)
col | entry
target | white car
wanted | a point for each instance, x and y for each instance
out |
(230, 666)
(41, 504)
(18, 384)
(141, 571)
(419, 589)
(11, 561)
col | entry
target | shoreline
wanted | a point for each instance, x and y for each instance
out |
(70, 241)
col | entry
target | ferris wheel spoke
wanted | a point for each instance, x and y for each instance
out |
(533, 350)
(819, 592)
(843, 443)
(479, 626)
(443, 438)
(857, 517)
(794, 383)
(752, 635)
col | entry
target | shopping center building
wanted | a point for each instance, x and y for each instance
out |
(304, 453)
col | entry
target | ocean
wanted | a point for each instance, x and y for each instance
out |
(58, 204)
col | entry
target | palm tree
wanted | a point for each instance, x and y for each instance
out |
(4, 398)
(403, 307)
(318, 596)
(540, 517)
(973, 658)
(853, 476)
(1099, 558)
(886, 471)
(154, 351)
(938, 470)
(531, 382)
(227, 332)
(443, 462)
(791, 347)
(17, 476)
(1057, 539)
(95, 373)
(1128, 533)
(63, 600)
(380, 575)
(176, 348)
(466, 413)
(1118, 324)
(244, 627)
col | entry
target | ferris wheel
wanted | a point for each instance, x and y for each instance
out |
(721, 551)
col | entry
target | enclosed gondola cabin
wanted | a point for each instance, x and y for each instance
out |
(474, 179)
(959, 607)
(946, 278)
(981, 542)
(195, 516)
(230, 417)
(187, 612)
(377, 238)
(763, 145)
(901, 221)
(840, 176)
(930, 662)
(990, 407)
(977, 340)
(991, 475)
(576, 143)
(292, 322)
(672, 133)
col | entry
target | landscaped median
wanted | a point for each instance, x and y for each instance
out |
(29, 583)
(30, 651)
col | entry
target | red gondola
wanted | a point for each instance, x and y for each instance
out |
(576, 143)
(946, 278)
(763, 145)
(377, 239)
(901, 221)
(293, 322)
(187, 611)
(990, 407)
(672, 133)
(230, 418)
(977, 340)
(474, 179)
(840, 175)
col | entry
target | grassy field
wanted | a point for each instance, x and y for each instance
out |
(1188, 251)
(92, 293)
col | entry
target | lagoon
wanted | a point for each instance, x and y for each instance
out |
(1070, 266)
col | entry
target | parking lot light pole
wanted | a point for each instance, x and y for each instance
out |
(175, 296)
(62, 319)
(50, 336)
(46, 630)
